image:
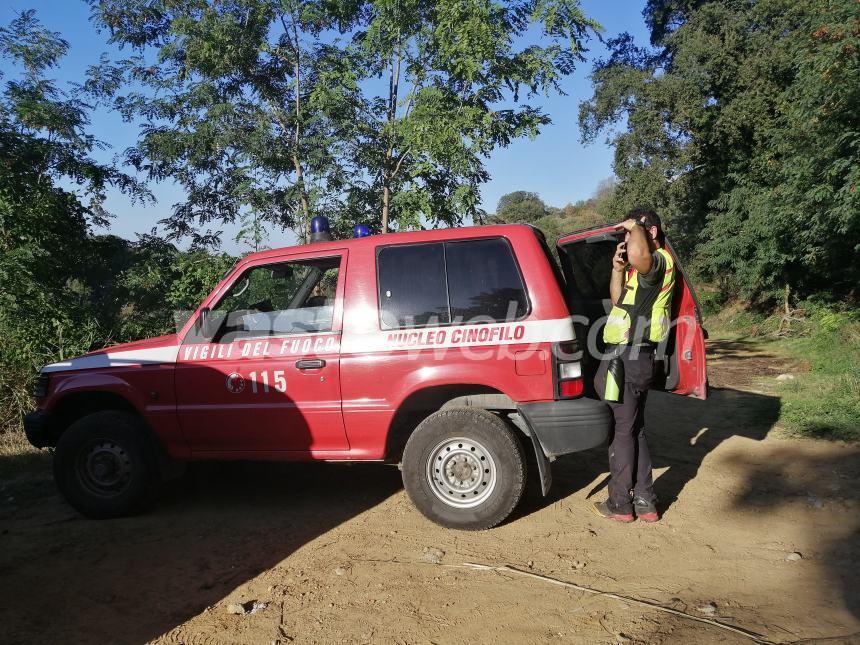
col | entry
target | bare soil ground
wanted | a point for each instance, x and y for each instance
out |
(337, 552)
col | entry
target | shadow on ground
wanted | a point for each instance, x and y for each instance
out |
(72, 580)
(681, 433)
(822, 484)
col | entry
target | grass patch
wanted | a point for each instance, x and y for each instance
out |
(823, 402)
(18, 456)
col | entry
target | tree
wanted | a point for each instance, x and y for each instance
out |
(243, 104)
(521, 206)
(273, 106)
(252, 232)
(456, 72)
(51, 192)
(51, 189)
(741, 127)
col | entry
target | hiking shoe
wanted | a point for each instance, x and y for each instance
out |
(605, 511)
(645, 510)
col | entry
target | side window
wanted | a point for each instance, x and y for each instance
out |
(484, 281)
(424, 285)
(275, 299)
(412, 289)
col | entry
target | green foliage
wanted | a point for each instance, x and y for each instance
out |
(379, 112)
(742, 129)
(826, 401)
(823, 341)
(64, 291)
(521, 206)
(243, 103)
(155, 287)
(252, 232)
(43, 225)
(456, 74)
(528, 208)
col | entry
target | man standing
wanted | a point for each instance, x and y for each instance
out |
(643, 279)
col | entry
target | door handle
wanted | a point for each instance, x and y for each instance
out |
(310, 364)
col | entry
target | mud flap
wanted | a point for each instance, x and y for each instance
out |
(543, 463)
(544, 467)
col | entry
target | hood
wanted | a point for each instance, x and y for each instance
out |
(149, 351)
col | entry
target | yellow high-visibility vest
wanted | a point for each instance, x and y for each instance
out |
(636, 303)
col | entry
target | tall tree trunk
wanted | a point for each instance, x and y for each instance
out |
(388, 175)
(386, 196)
(297, 164)
(303, 197)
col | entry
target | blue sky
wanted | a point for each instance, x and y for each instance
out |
(555, 165)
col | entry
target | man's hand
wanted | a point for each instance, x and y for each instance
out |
(619, 260)
(638, 245)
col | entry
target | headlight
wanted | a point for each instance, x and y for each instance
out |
(40, 388)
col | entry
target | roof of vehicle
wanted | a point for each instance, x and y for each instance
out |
(407, 237)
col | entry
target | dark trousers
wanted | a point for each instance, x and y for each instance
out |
(629, 458)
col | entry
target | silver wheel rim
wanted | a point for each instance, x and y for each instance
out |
(461, 472)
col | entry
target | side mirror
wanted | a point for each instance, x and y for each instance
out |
(206, 323)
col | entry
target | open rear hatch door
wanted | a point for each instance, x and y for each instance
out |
(586, 261)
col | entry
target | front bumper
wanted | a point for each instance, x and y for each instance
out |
(563, 427)
(37, 427)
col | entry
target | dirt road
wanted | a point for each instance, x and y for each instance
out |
(337, 553)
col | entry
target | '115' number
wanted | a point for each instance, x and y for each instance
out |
(278, 381)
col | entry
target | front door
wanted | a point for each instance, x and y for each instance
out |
(265, 375)
(586, 259)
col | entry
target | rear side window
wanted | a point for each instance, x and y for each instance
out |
(484, 281)
(472, 281)
(412, 289)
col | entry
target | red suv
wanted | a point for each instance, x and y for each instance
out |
(452, 352)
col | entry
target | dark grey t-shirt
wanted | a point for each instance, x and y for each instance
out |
(655, 275)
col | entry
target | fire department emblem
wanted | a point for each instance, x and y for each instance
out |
(235, 383)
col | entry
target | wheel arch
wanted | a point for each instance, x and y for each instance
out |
(77, 404)
(423, 402)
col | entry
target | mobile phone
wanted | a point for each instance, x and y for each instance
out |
(623, 254)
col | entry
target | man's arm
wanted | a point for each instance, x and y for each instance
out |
(616, 285)
(638, 247)
(616, 282)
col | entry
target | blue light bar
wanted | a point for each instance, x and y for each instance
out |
(360, 230)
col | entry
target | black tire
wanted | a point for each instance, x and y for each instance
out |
(105, 465)
(464, 434)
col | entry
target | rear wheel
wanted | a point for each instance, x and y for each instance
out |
(464, 468)
(105, 466)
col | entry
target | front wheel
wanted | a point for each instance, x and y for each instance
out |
(105, 466)
(464, 468)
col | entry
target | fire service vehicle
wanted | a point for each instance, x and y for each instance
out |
(454, 353)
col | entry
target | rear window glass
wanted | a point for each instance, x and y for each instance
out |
(484, 281)
(464, 282)
(590, 267)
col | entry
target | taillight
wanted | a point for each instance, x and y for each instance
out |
(568, 370)
(570, 389)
